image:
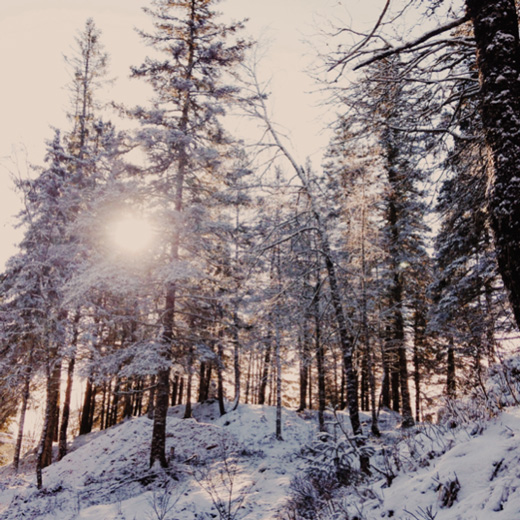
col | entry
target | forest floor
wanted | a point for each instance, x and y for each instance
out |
(234, 468)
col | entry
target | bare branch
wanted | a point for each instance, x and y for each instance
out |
(412, 44)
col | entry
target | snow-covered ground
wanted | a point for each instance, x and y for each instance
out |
(234, 465)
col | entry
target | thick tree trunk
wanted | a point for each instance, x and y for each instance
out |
(158, 447)
(495, 25)
(129, 392)
(44, 456)
(85, 410)
(203, 383)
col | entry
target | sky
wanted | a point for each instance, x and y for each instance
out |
(36, 34)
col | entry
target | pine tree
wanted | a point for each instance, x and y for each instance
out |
(182, 134)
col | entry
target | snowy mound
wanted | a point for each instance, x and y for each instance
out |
(106, 476)
(235, 465)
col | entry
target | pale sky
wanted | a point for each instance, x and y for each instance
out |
(35, 34)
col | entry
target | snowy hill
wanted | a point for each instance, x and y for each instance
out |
(233, 465)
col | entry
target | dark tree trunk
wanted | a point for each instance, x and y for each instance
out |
(320, 358)
(85, 410)
(62, 450)
(162, 388)
(418, 346)
(346, 340)
(102, 414)
(236, 360)
(23, 411)
(203, 383)
(128, 408)
(304, 372)
(158, 447)
(265, 373)
(386, 393)
(220, 380)
(187, 409)
(150, 408)
(114, 411)
(44, 456)
(181, 391)
(451, 382)
(495, 25)
(175, 389)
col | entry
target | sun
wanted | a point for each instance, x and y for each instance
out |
(130, 233)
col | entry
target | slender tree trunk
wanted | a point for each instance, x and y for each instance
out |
(220, 380)
(401, 355)
(175, 388)
(419, 334)
(265, 373)
(150, 409)
(202, 383)
(62, 449)
(236, 359)
(451, 382)
(23, 411)
(304, 370)
(187, 409)
(181, 391)
(320, 356)
(278, 381)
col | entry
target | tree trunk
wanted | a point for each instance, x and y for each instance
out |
(175, 389)
(220, 380)
(150, 409)
(44, 456)
(85, 410)
(236, 359)
(278, 382)
(451, 382)
(320, 357)
(23, 411)
(203, 383)
(158, 447)
(187, 409)
(265, 373)
(495, 25)
(130, 391)
(62, 449)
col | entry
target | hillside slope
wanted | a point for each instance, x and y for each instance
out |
(234, 466)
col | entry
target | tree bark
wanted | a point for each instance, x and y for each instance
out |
(320, 357)
(44, 456)
(158, 446)
(85, 410)
(265, 373)
(451, 382)
(21, 422)
(495, 25)
(62, 449)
